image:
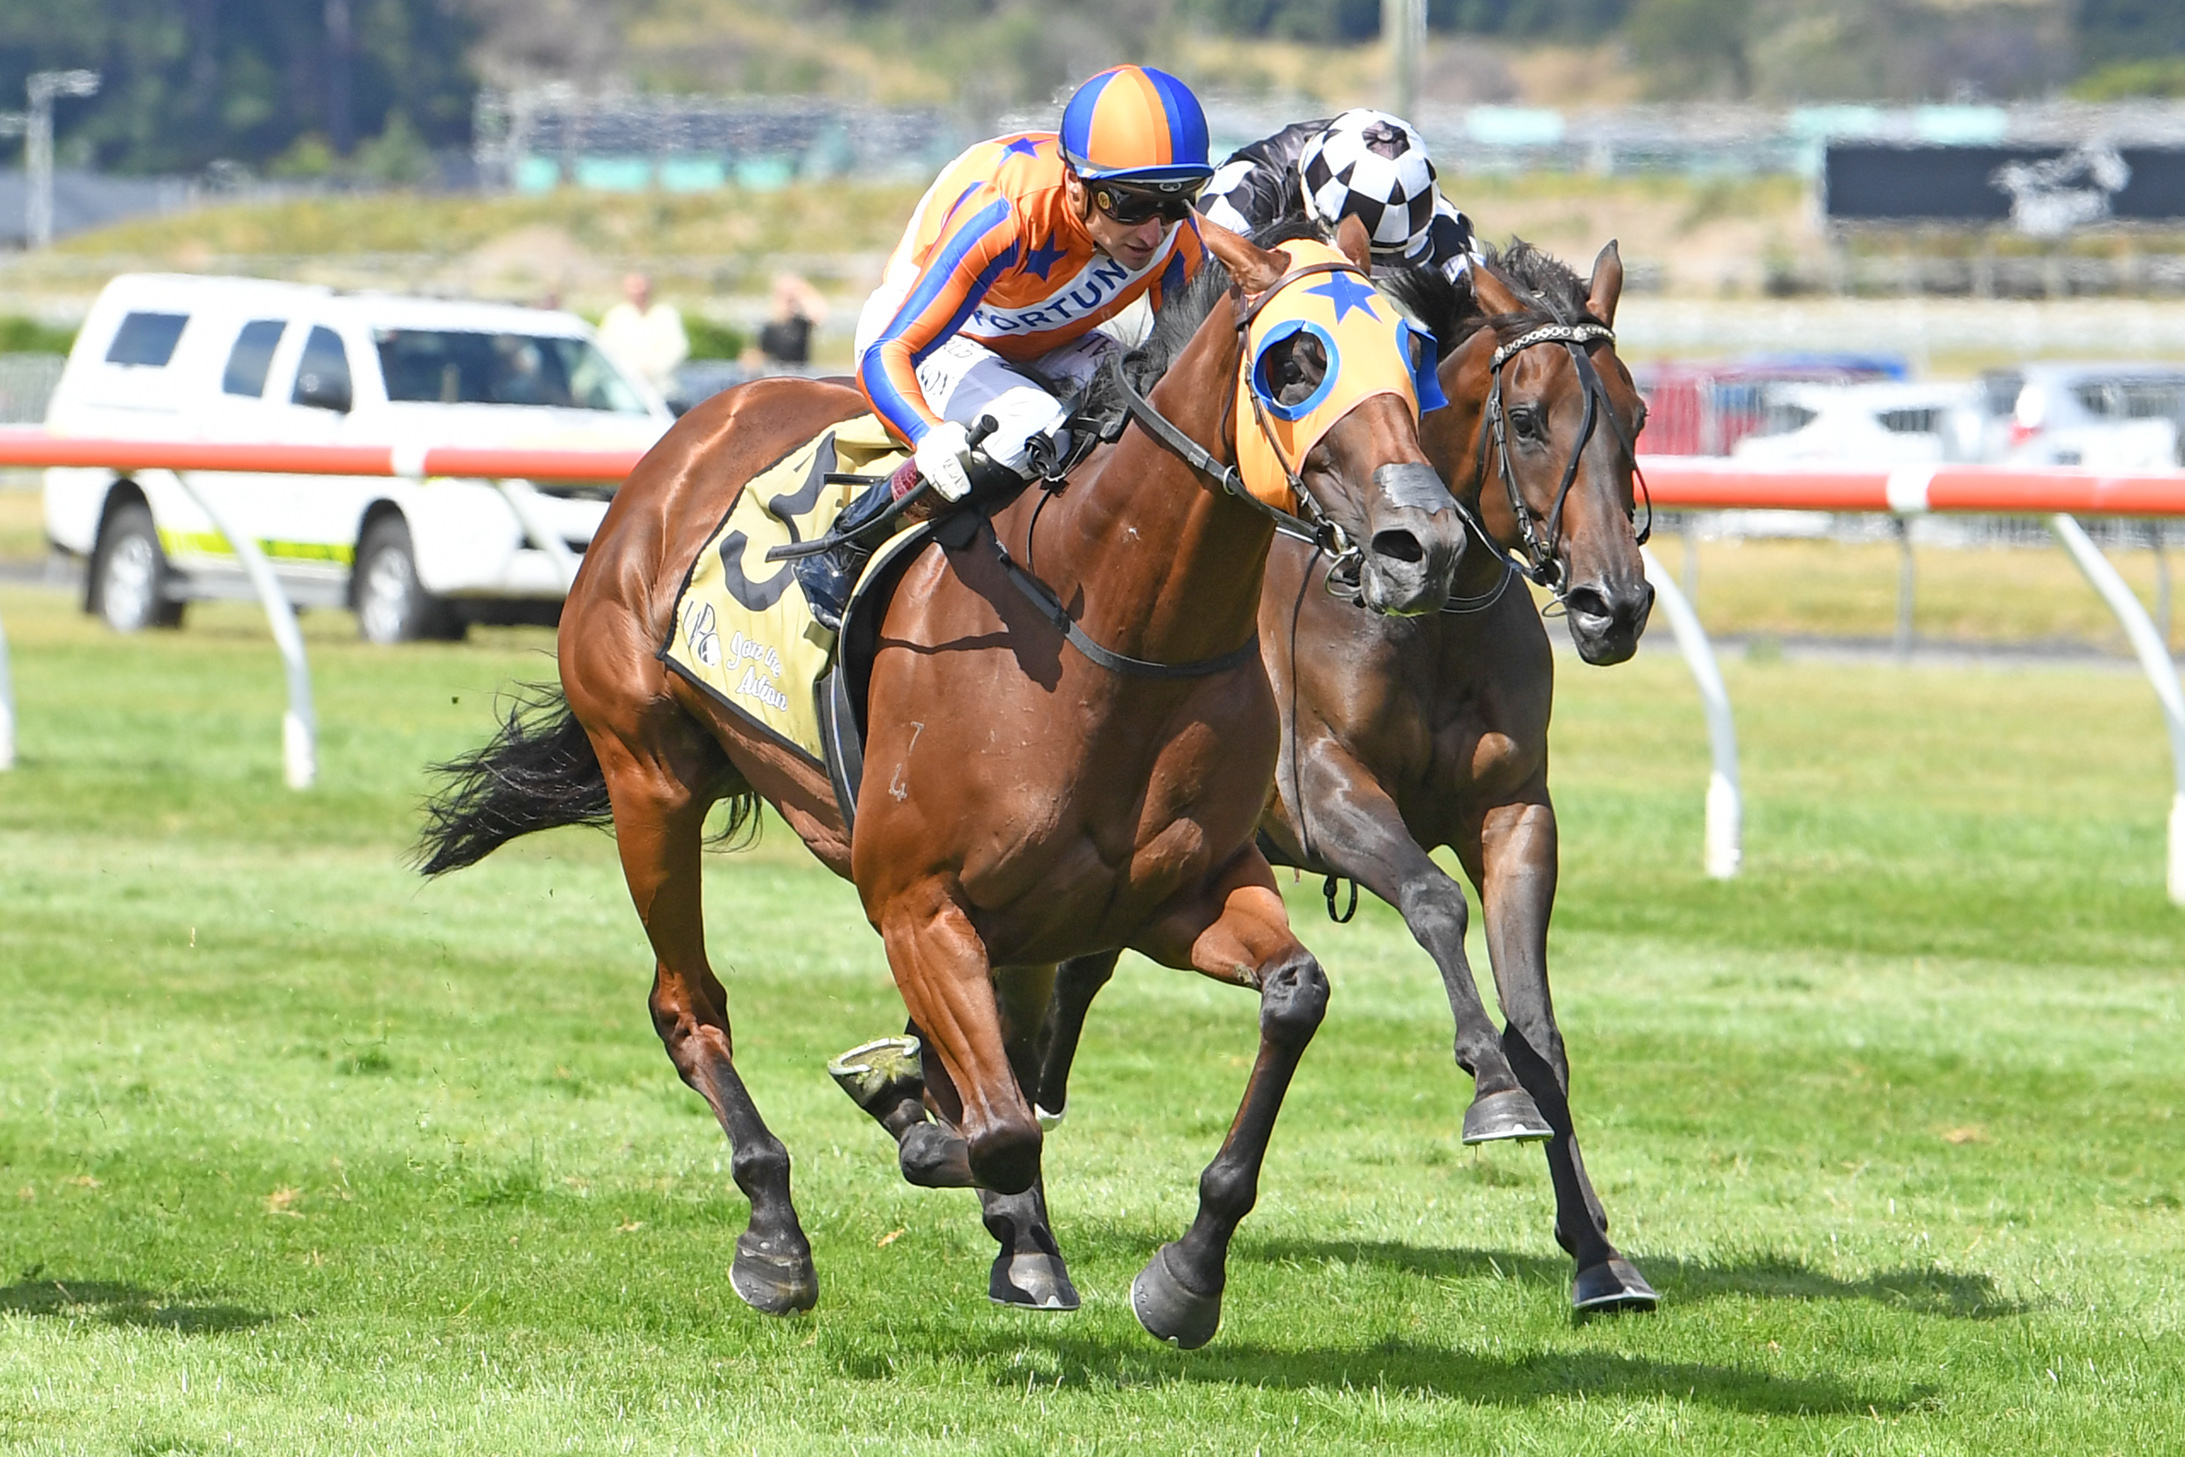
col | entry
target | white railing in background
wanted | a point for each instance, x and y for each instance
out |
(1674, 482)
(513, 470)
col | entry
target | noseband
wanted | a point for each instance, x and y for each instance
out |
(1539, 535)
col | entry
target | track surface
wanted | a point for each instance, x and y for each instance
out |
(298, 1155)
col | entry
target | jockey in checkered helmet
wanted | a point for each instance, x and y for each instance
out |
(1364, 164)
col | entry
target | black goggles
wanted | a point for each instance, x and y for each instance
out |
(1131, 206)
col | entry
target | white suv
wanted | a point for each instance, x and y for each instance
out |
(2121, 417)
(237, 360)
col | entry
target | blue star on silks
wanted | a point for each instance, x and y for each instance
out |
(1022, 147)
(1039, 260)
(1349, 292)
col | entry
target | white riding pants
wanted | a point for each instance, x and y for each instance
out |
(964, 381)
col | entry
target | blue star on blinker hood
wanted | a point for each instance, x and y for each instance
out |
(1039, 260)
(1349, 292)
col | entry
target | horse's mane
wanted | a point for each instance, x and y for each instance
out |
(1550, 289)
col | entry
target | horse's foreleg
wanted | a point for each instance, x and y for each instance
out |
(1029, 1270)
(1077, 982)
(1239, 933)
(1359, 832)
(1517, 859)
(942, 971)
(659, 822)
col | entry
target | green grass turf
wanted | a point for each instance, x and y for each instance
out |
(298, 1154)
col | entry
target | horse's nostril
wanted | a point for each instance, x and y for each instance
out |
(1586, 602)
(1400, 546)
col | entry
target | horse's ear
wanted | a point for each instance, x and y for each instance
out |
(1357, 244)
(1254, 268)
(1607, 284)
(1493, 294)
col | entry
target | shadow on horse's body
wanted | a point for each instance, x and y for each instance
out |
(1403, 734)
(1021, 805)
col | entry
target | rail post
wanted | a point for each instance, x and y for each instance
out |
(299, 725)
(1724, 849)
(7, 705)
(2154, 661)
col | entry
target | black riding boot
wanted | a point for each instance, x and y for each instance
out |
(828, 577)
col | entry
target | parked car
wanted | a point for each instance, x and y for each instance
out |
(242, 360)
(1706, 408)
(1866, 424)
(2109, 416)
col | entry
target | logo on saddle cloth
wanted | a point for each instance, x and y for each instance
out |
(742, 631)
(1372, 350)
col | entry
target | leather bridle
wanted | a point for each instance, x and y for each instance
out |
(1538, 535)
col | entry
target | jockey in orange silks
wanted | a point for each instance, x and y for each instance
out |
(1015, 257)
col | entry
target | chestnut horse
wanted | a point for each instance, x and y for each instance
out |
(1023, 804)
(1400, 734)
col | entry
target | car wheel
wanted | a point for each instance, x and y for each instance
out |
(392, 605)
(129, 573)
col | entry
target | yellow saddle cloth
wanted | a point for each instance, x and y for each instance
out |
(742, 628)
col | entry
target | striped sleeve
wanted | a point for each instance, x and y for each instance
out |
(977, 244)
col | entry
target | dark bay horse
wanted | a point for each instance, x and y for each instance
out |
(1023, 805)
(1400, 734)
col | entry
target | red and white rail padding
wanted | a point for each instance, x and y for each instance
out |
(32, 447)
(1680, 482)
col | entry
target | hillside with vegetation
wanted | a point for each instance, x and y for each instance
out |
(377, 87)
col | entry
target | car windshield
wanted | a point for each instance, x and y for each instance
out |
(466, 367)
(1780, 417)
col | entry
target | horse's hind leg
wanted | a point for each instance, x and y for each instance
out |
(1359, 832)
(659, 824)
(1077, 982)
(1516, 860)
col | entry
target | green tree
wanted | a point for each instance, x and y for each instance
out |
(1694, 48)
(189, 81)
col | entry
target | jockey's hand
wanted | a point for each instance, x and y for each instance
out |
(940, 458)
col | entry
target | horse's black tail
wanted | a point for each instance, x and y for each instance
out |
(538, 772)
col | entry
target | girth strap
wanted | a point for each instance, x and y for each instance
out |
(1050, 606)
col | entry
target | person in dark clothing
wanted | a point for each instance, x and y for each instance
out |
(786, 338)
(1364, 164)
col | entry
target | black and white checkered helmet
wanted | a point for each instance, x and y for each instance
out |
(1373, 167)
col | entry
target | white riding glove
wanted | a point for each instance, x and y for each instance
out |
(940, 457)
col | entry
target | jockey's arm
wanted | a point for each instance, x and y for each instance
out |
(979, 245)
(1451, 245)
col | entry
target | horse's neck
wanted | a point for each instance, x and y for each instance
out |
(1162, 564)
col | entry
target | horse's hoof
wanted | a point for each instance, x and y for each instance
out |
(1508, 1115)
(881, 1073)
(933, 1158)
(1048, 1122)
(1032, 1280)
(1611, 1286)
(1168, 1311)
(773, 1281)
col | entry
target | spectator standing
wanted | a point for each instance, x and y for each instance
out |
(644, 337)
(786, 338)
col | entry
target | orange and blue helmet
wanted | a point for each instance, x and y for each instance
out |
(1138, 125)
